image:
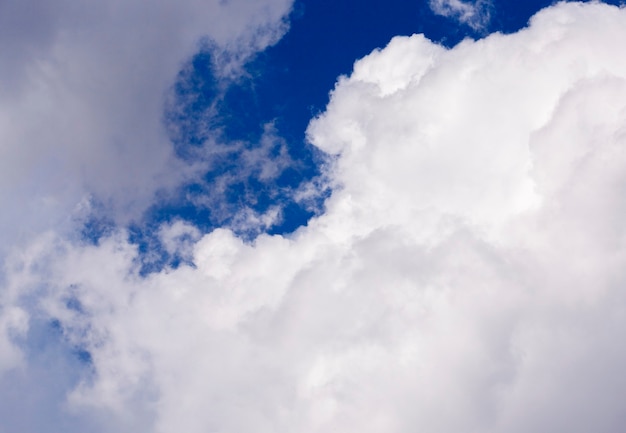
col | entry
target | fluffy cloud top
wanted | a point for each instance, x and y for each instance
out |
(468, 274)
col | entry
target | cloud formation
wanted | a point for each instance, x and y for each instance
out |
(475, 14)
(82, 91)
(467, 274)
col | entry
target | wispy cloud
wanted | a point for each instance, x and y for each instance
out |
(82, 90)
(475, 14)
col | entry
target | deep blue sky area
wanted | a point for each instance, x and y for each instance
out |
(286, 85)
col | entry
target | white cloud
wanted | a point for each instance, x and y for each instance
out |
(82, 91)
(466, 276)
(475, 14)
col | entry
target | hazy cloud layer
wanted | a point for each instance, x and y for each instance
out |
(468, 274)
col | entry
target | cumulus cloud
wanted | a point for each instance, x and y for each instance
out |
(82, 91)
(467, 274)
(475, 14)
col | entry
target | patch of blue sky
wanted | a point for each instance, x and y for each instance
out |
(245, 125)
(224, 119)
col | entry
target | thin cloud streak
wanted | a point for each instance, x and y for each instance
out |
(475, 14)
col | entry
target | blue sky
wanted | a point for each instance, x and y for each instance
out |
(286, 85)
(274, 216)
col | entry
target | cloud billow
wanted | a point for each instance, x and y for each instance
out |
(466, 275)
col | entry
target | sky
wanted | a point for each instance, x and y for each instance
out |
(312, 215)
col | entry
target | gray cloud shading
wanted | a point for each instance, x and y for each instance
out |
(82, 91)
